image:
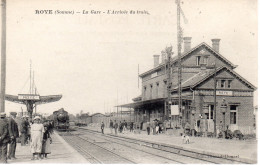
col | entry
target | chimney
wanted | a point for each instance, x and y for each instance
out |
(215, 44)
(156, 60)
(163, 53)
(187, 43)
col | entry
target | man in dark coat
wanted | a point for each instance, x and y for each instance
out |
(116, 126)
(148, 127)
(24, 130)
(111, 126)
(131, 126)
(13, 133)
(4, 138)
(102, 127)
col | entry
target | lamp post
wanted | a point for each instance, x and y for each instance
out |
(224, 110)
(205, 110)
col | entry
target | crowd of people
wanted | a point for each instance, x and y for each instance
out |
(34, 133)
(121, 126)
(154, 127)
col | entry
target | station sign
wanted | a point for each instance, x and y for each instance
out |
(224, 93)
(28, 97)
(154, 74)
(174, 110)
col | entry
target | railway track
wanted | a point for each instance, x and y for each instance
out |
(154, 155)
(177, 154)
(95, 154)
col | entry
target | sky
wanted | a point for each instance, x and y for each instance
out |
(92, 59)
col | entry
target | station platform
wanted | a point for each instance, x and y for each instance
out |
(61, 152)
(245, 150)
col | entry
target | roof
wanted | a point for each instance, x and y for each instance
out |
(140, 103)
(97, 114)
(206, 74)
(146, 102)
(185, 54)
(195, 79)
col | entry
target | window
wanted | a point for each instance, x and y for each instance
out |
(165, 88)
(223, 83)
(157, 89)
(206, 59)
(229, 83)
(233, 114)
(198, 60)
(151, 91)
(144, 92)
(211, 110)
(210, 114)
(217, 84)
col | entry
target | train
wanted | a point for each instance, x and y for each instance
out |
(61, 120)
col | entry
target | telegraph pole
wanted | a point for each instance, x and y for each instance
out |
(179, 40)
(169, 83)
(3, 57)
(215, 101)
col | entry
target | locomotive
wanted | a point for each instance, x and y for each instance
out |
(61, 119)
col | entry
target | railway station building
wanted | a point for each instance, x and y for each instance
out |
(201, 65)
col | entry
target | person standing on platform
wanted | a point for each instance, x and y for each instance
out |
(120, 126)
(102, 127)
(156, 126)
(37, 131)
(116, 126)
(111, 126)
(148, 127)
(4, 137)
(24, 130)
(124, 126)
(13, 133)
(153, 127)
(29, 130)
(131, 127)
(46, 142)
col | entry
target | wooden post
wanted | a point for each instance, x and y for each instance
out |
(3, 57)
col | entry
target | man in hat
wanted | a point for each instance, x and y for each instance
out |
(13, 133)
(24, 130)
(4, 138)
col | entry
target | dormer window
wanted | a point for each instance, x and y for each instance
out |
(229, 83)
(198, 58)
(206, 59)
(223, 83)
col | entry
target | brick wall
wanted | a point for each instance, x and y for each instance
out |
(245, 111)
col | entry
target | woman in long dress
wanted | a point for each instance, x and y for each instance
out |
(46, 148)
(37, 131)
